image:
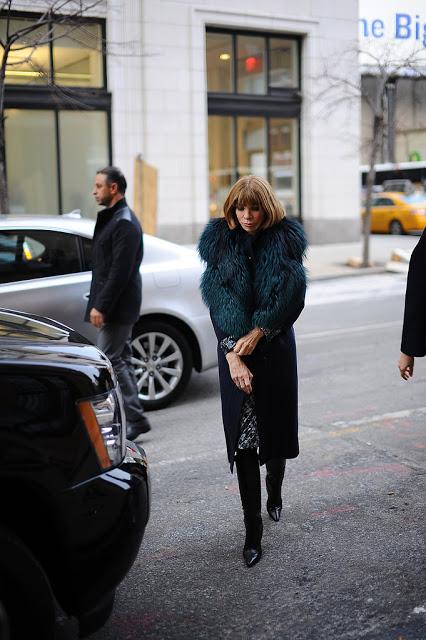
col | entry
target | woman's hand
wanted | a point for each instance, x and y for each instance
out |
(240, 373)
(406, 366)
(247, 344)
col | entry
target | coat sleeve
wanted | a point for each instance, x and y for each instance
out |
(125, 245)
(414, 328)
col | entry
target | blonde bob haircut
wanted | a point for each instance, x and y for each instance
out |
(251, 191)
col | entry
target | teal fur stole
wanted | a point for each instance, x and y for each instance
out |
(236, 302)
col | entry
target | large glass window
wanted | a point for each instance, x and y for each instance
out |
(29, 57)
(266, 147)
(251, 72)
(74, 48)
(84, 150)
(32, 140)
(254, 105)
(222, 173)
(251, 146)
(283, 63)
(77, 55)
(251, 64)
(57, 141)
(219, 62)
(284, 162)
(31, 161)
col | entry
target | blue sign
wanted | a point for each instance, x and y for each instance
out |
(403, 26)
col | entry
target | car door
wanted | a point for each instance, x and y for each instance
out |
(375, 215)
(41, 272)
(390, 213)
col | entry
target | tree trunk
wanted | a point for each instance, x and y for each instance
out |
(4, 192)
(377, 136)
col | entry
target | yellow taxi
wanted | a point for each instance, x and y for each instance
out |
(398, 213)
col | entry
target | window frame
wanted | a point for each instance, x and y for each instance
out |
(78, 20)
(282, 102)
(267, 35)
(71, 98)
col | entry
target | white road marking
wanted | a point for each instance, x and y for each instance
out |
(336, 332)
(198, 456)
(396, 415)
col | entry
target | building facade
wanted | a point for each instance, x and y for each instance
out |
(205, 93)
(394, 32)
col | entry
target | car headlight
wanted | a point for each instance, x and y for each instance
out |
(105, 422)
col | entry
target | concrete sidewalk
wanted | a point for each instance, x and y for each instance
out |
(329, 260)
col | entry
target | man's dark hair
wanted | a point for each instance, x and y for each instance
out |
(113, 174)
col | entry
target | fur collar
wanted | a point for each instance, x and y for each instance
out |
(237, 302)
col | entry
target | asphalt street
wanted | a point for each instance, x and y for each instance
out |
(347, 560)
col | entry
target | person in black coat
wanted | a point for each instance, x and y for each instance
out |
(254, 285)
(413, 343)
(116, 289)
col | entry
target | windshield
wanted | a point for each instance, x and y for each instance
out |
(419, 196)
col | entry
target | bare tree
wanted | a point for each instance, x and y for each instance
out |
(385, 68)
(26, 40)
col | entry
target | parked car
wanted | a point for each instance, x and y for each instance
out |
(397, 213)
(45, 268)
(74, 493)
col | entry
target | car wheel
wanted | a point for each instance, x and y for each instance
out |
(29, 607)
(396, 228)
(162, 359)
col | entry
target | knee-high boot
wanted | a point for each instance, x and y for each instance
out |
(248, 472)
(275, 469)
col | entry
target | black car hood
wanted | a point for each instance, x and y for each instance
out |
(34, 341)
(17, 326)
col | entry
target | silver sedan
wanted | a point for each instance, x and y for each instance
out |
(45, 269)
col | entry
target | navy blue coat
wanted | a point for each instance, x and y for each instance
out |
(414, 330)
(117, 252)
(265, 289)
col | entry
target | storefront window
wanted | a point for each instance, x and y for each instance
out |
(219, 62)
(251, 146)
(29, 58)
(76, 51)
(222, 172)
(283, 63)
(254, 73)
(251, 73)
(77, 55)
(31, 161)
(255, 139)
(283, 162)
(84, 150)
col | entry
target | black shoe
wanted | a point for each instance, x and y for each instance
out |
(135, 430)
(274, 478)
(252, 551)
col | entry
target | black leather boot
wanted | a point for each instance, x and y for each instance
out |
(274, 479)
(248, 472)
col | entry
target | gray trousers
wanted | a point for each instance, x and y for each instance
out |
(114, 341)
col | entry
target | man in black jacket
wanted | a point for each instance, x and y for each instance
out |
(413, 342)
(116, 288)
